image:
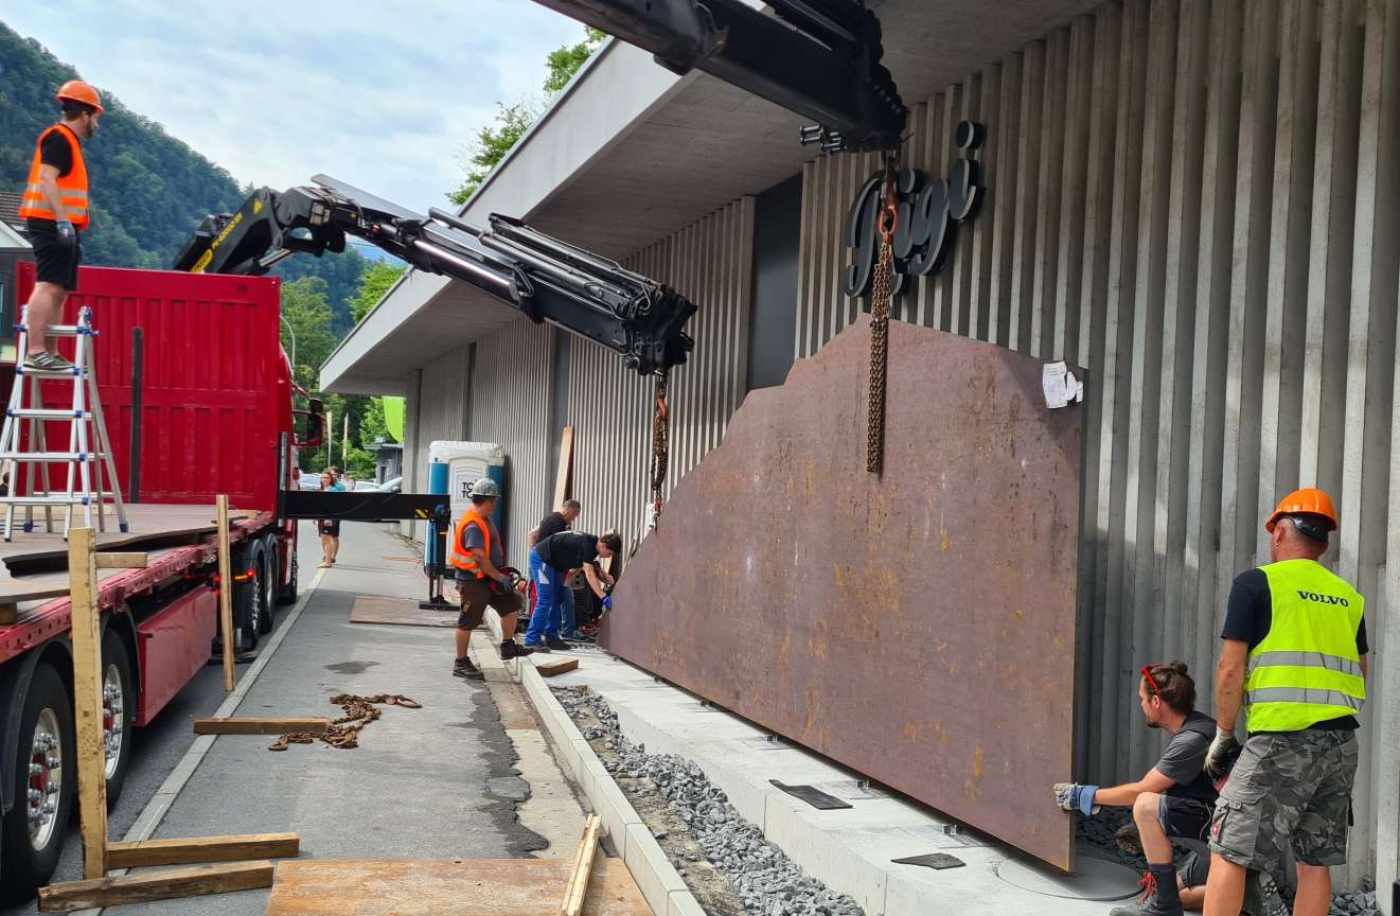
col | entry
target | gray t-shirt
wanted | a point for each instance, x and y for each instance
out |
(472, 540)
(1185, 754)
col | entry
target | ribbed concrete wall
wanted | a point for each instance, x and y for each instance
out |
(610, 408)
(438, 413)
(510, 406)
(1198, 202)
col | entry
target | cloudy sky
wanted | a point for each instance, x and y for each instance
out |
(383, 95)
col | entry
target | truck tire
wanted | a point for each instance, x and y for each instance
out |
(32, 833)
(287, 594)
(119, 712)
(264, 589)
(245, 601)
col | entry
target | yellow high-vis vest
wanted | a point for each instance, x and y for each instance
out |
(1307, 669)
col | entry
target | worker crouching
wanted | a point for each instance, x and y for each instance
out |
(1174, 800)
(479, 556)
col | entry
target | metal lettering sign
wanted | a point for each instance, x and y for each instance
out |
(929, 214)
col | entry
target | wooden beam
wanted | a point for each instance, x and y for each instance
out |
(261, 725)
(122, 560)
(566, 459)
(550, 669)
(225, 591)
(577, 888)
(203, 849)
(87, 701)
(162, 885)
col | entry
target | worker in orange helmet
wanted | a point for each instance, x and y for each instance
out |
(55, 204)
(1295, 654)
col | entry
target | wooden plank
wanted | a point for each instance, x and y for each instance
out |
(162, 885)
(577, 887)
(225, 591)
(399, 612)
(195, 850)
(566, 463)
(463, 887)
(555, 668)
(123, 560)
(87, 703)
(9, 613)
(260, 725)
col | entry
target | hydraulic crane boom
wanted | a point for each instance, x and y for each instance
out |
(547, 279)
(819, 58)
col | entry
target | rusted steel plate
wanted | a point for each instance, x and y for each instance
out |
(919, 627)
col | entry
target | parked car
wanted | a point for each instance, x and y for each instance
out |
(309, 481)
(392, 485)
(362, 486)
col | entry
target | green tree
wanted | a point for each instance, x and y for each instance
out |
(494, 141)
(374, 283)
(563, 62)
(307, 310)
(373, 425)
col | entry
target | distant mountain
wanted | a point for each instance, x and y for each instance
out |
(149, 189)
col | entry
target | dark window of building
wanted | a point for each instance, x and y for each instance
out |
(777, 230)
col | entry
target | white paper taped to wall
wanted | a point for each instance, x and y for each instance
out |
(1060, 385)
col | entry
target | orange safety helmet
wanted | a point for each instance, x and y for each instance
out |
(79, 91)
(1307, 501)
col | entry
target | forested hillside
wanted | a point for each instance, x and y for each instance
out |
(149, 189)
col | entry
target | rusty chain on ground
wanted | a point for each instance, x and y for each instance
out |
(660, 443)
(880, 295)
(344, 732)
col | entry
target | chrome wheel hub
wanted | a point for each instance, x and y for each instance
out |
(45, 779)
(113, 717)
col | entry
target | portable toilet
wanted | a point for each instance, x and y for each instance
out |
(452, 468)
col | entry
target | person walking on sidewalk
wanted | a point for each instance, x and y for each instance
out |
(329, 528)
(1174, 799)
(1294, 651)
(479, 556)
(558, 554)
(550, 525)
(55, 207)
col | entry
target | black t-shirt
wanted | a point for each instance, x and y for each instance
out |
(56, 152)
(568, 550)
(551, 524)
(1183, 759)
(1249, 615)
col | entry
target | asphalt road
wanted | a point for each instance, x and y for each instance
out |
(159, 746)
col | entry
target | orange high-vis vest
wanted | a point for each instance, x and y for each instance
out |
(72, 188)
(459, 557)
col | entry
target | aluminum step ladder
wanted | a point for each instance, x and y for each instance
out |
(86, 429)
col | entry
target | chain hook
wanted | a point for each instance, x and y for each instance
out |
(889, 210)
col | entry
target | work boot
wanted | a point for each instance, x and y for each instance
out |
(464, 668)
(1159, 895)
(557, 644)
(542, 648)
(511, 649)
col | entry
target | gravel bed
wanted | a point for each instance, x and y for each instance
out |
(762, 876)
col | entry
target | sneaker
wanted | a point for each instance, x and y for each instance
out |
(557, 644)
(509, 649)
(1151, 902)
(542, 647)
(47, 362)
(466, 670)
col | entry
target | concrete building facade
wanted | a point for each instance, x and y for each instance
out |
(1196, 200)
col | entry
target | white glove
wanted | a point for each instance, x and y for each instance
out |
(1221, 756)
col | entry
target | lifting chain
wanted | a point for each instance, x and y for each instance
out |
(344, 732)
(880, 295)
(660, 444)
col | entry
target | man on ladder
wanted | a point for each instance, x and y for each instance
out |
(55, 204)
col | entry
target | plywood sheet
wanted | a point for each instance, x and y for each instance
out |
(464, 887)
(918, 627)
(400, 612)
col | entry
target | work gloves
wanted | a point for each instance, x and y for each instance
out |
(1071, 796)
(1224, 750)
(66, 233)
(607, 602)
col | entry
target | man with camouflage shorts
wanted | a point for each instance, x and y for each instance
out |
(1300, 631)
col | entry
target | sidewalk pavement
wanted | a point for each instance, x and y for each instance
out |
(443, 781)
(848, 849)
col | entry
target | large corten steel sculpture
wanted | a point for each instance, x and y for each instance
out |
(918, 627)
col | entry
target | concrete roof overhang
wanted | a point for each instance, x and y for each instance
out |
(630, 153)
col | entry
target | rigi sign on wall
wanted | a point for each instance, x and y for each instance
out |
(929, 212)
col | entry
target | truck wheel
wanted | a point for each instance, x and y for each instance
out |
(287, 594)
(264, 589)
(245, 603)
(45, 780)
(118, 712)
